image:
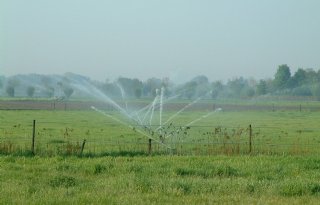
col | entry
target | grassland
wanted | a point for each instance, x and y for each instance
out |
(160, 180)
(224, 132)
(209, 163)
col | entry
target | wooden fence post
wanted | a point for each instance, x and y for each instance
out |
(33, 137)
(250, 138)
(82, 147)
(149, 146)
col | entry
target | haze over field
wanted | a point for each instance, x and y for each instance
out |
(178, 39)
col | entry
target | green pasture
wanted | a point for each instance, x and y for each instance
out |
(160, 180)
(189, 133)
(204, 158)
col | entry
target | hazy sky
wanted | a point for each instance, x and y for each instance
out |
(178, 39)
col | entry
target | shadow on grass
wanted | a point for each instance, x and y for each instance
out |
(84, 155)
(18, 154)
(121, 154)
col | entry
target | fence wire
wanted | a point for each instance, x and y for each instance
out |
(55, 138)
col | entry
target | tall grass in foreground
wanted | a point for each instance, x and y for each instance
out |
(160, 180)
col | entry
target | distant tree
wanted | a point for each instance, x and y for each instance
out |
(236, 86)
(203, 90)
(270, 86)
(168, 86)
(47, 87)
(190, 89)
(130, 87)
(11, 85)
(217, 89)
(217, 85)
(68, 92)
(299, 78)
(137, 87)
(282, 77)
(14, 82)
(318, 75)
(30, 91)
(109, 88)
(251, 82)
(150, 86)
(60, 89)
(316, 91)
(203, 86)
(302, 91)
(166, 82)
(126, 85)
(10, 90)
(46, 81)
(262, 87)
(49, 91)
(312, 77)
(249, 92)
(201, 79)
(138, 93)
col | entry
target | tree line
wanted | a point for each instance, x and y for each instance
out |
(303, 82)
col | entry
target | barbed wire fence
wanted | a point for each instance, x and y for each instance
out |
(49, 138)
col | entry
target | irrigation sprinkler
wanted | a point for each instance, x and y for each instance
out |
(152, 110)
(161, 105)
(137, 119)
(131, 127)
(180, 111)
(194, 121)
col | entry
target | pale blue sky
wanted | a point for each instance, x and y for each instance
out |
(178, 39)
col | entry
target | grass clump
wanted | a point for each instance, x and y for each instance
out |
(219, 171)
(99, 168)
(315, 189)
(62, 181)
(293, 189)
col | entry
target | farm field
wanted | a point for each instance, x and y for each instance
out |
(189, 133)
(159, 102)
(210, 160)
(160, 180)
